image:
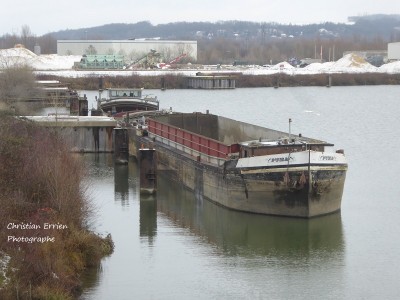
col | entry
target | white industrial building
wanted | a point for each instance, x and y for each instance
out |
(131, 49)
(394, 51)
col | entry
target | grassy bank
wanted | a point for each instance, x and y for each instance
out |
(242, 81)
(45, 237)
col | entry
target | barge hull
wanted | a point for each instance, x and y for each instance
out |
(296, 179)
(272, 197)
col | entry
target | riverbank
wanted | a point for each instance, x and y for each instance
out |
(46, 242)
(242, 81)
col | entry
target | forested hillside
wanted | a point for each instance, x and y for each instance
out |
(239, 41)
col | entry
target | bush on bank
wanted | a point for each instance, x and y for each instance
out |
(41, 183)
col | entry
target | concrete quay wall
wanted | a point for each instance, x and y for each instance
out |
(82, 134)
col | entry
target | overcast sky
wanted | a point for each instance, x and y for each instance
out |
(44, 16)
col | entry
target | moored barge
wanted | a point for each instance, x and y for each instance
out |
(122, 100)
(247, 167)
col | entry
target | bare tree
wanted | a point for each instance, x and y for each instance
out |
(110, 51)
(17, 84)
(91, 50)
(48, 44)
(26, 34)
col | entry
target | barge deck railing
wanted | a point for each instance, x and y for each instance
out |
(199, 144)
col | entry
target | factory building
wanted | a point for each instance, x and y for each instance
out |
(394, 51)
(130, 49)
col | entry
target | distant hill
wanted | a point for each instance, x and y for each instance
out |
(386, 27)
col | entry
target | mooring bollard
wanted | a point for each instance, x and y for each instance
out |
(329, 81)
(83, 106)
(148, 170)
(121, 145)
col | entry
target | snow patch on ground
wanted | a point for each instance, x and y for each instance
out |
(21, 56)
(62, 65)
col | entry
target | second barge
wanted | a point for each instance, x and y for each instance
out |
(247, 167)
(119, 100)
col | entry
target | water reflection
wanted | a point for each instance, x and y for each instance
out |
(256, 246)
(121, 184)
(148, 217)
(99, 166)
(91, 278)
(126, 179)
(244, 234)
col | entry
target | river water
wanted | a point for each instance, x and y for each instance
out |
(174, 246)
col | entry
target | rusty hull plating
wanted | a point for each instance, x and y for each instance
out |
(246, 167)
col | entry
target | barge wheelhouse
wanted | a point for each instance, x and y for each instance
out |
(119, 100)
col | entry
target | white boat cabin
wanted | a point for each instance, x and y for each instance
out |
(121, 93)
